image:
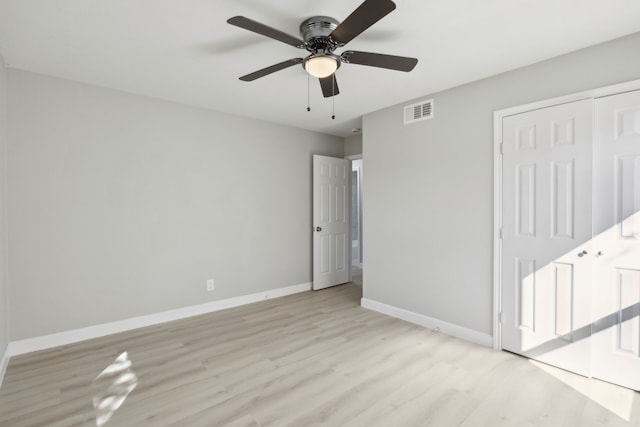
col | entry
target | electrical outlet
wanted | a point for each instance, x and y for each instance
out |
(210, 285)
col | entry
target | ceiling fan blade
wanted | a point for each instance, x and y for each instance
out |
(256, 27)
(399, 63)
(272, 69)
(329, 86)
(367, 14)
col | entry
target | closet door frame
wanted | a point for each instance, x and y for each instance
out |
(498, 117)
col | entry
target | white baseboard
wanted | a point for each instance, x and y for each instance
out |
(68, 337)
(429, 322)
(3, 364)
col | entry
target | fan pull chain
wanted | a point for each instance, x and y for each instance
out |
(333, 98)
(308, 93)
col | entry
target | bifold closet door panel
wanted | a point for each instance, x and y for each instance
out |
(616, 242)
(547, 172)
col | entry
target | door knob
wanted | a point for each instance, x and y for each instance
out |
(318, 228)
(583, 253)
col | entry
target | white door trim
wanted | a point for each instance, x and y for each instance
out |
(498, 116)
(352, 158)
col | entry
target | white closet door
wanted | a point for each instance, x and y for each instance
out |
(616, 288)
(547, 167)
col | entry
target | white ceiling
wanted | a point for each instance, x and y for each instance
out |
(185, 51)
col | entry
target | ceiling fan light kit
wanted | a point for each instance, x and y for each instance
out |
(321, 65)
(321, 36)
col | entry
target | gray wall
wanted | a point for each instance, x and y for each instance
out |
(353, 145)
(428, 192)
(121, 205)
(4, 297)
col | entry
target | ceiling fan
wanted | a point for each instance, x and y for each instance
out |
(321, 36)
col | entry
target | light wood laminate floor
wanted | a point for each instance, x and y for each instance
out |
(315, 358)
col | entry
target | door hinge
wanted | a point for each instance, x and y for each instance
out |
(500, 233)
(500, 317)
(501, 148)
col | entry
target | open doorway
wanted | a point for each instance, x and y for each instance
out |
(356, 220)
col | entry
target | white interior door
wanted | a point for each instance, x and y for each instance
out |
(547, 171)
(616, 230)
(331, 241)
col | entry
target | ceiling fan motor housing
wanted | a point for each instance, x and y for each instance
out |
(315, 32)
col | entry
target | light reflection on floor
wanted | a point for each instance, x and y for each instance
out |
(618, 400)
(111, 388)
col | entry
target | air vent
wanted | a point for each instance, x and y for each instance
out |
(423, 110)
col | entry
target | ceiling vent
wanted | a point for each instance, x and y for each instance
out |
(422, 110)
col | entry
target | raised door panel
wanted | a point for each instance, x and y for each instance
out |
(627, 306)
(526, 200)
(627, 196)
(562, 198)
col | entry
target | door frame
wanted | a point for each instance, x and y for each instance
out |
(498, 116)
(351, 158)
